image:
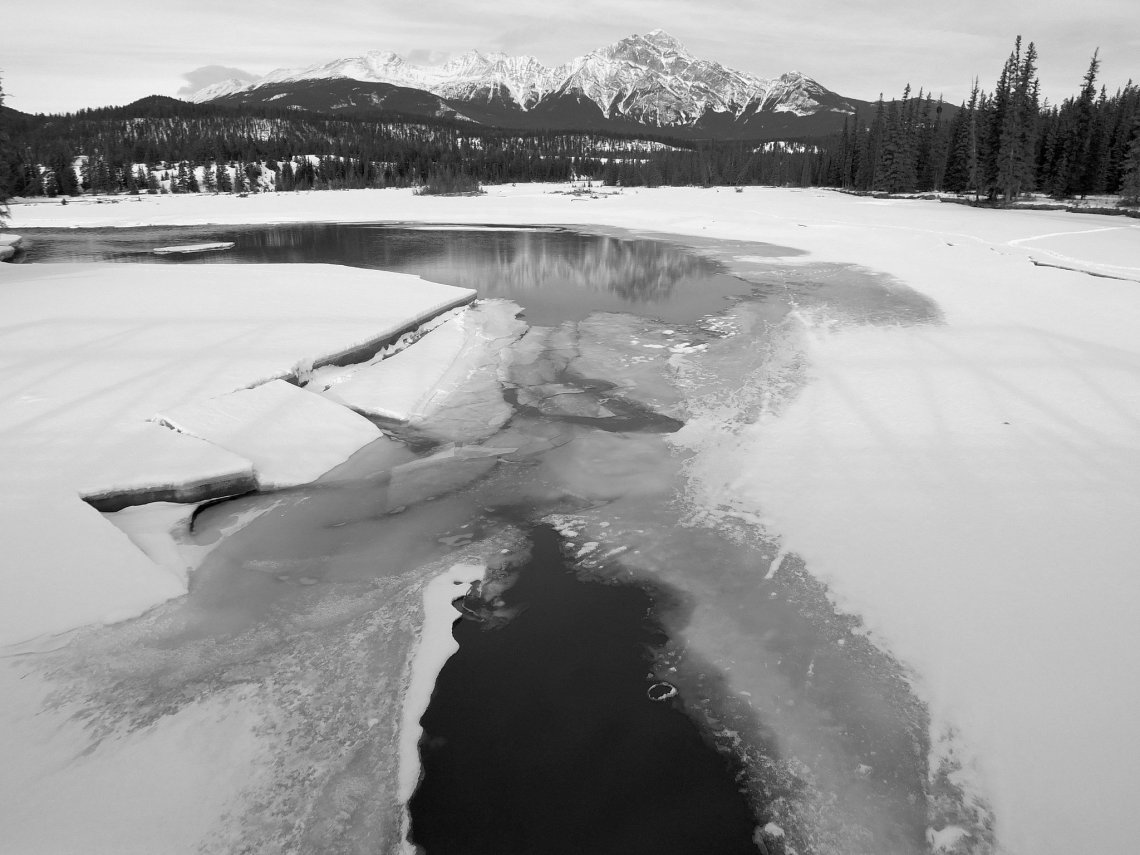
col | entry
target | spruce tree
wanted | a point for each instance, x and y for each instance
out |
(1018, 140)
(180, 182)
(1126, 110)
(6, 177)
(224, 183)
(65, 182)
(1130, 180)
(1095, 174)
(996, 124)
(957, 158)
(1079, 141)
(885, 169)
(869, 162)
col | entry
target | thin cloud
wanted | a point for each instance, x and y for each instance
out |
(202, 77)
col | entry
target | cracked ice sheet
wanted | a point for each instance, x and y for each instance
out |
(89, 352)
(633, 353)
(292, 436)
(446, 384)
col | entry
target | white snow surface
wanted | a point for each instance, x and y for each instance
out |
(164, 787)
(997, 561)
(90, 352)
(290, 435)
(435, 647)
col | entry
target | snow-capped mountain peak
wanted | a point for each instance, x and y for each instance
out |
(649, 79)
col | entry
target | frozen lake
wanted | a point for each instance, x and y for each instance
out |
(785, 717)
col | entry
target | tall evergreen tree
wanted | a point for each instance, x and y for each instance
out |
(6, 176)
(1079, 139)
(1094, 178)
(223, 179)
(962, 156)
(180, 182)
(1130, 181)
(130, 180)
(1013, 169)
(65, 182)
(869, 159)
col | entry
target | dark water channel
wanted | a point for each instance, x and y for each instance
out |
(574, 718)
(542, 735)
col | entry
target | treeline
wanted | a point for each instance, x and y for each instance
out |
(120, 149)
(999, 144)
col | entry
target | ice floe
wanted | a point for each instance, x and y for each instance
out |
(291, 436)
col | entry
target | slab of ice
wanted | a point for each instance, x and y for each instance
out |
(145, 462)
(292, 436)
(157, 529)
(441, 473)
(8, 245)
(65, 566)
(190, 248)
(447, 383)
(562, 400)
(632, 352)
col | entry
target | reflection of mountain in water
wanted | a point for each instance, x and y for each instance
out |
(555, 275)
(636, 271)
(497, 263)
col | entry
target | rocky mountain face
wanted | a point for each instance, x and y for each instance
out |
(640, 83)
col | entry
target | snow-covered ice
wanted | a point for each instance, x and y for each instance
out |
(191, 248)
(435, 647)
(290, 435)
(90, 352)
(159, 788)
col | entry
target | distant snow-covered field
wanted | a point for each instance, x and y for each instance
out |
(969, 489)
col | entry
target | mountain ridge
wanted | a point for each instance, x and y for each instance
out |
(648, 82)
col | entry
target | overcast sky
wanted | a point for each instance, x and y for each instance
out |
(57, 55)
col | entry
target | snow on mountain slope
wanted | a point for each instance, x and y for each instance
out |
(469, 76)
(649, 78)
(221, 89)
